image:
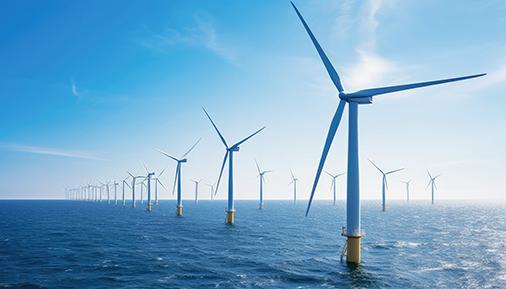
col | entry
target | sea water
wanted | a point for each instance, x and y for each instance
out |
(71, 244)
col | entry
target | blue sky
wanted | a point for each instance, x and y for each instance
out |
(89, 89)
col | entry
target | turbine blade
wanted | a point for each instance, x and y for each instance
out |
(221, 173)
(328, 65)
(166, 154)
(216, 128)
(389, 89)
(291, 172)
(386, 182)
(332, 184)
(394, 171)
(130, 175)
(258, 167)
(144, 165)
(161, 173)
(191, 148)
(160, 182)
(428, 184)
(329, 174)
(337, 176)
(127, 185)
(239, 143)
(429, 174)
(376, 166)
(334, 125)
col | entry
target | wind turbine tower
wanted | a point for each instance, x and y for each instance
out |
(177, 178)
(261, 176)
(407, 188)
(333, 185)
(432, 183)
(352, 230)
(294, 182)
(384, 185)
(196, 190)
(229, 154)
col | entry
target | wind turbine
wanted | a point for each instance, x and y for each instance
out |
(123, 183)
(407, 188)
(294, 182)
(353, 231)
(100, 192)
(134, 178)
(384, 185)
(177, 178)
(211, 187)
(196, 190)
(333, 185)
(229, 155)
(149, 190)
(157, 181)
(261, 175)
(115, 192)
(432, 182)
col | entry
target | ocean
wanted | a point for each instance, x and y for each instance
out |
(71, 244)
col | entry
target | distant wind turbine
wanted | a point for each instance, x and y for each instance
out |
(261, 176)
(384, 185)
(229, 155)
(294, 182)
(333, 185)
(196, 190)
(177, 178)
(432, 183)
(211, 187)
(148, 178)
(115, 191)
(352, 230)
(134, 178)
(123, 189)
(407, 188)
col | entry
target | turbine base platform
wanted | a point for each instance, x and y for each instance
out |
(231, 217)
(353, 249)
(179, 211)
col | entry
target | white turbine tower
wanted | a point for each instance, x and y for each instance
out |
(197, 183)
(261, 176)
(115, 192)
(407, 188)
(123, 183)
(294, 182)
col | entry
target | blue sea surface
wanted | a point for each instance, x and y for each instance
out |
(69, 244)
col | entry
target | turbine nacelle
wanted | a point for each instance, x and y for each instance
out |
(355, 97)
(183, 160)
(234, 149)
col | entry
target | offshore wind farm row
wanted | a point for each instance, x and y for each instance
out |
(352, 231)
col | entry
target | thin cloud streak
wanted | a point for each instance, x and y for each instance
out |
(73, 88)
(49, 151)
(202, 34)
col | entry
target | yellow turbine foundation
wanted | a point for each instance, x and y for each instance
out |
(179, 211)
(353, 250)
(230, 217)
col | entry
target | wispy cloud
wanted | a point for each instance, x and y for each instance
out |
(370, 68)
(49, 151)
(202, 34)
(73, 88)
